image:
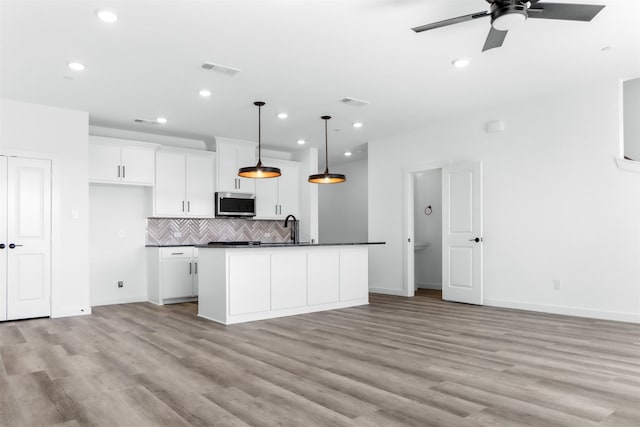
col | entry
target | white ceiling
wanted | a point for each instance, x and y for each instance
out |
(300, 57)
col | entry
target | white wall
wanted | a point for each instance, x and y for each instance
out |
(117, 243)
(61, 135)
(632, 119)
(555, 204)
(343, 215)
(427, 191)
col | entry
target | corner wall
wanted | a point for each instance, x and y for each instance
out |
(343, 207)
(556, 207)
(61, 135)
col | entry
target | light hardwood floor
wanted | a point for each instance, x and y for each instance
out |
(396, 362)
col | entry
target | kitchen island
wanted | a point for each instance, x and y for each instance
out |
(240, 283)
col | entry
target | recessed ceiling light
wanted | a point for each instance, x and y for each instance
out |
(302, 142)
(107, 16)
(347, 153)
(460, 63)
(161, 120)
(282, 115)
(205, 93)
(357, 125)
(76, 66)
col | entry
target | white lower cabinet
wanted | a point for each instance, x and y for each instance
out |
(288, 278)
(250, 275)
(245, 284)
(323, 277)
(173, 274)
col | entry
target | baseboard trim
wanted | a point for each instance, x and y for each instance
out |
(70, 311)
(566, 310)
(436, 286)
(398, 292)
(112, 301)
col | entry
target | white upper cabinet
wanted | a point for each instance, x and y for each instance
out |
(120, 161)
(185, 183)
(278, 197)
(233, 155)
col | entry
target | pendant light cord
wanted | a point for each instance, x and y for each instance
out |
(326, 147)
(259, 133)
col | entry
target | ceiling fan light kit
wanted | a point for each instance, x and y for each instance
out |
(507, 14)
(259, 170)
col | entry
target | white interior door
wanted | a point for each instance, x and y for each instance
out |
(28, 238)
(462, 232)
(3, 238)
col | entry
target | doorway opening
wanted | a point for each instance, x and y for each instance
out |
(427, 231)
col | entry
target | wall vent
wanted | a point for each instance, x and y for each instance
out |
(222, 69)
(355, 102)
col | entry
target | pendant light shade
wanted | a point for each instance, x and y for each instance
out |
(259, 171)
(326, 177)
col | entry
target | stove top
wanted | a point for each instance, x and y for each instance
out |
(236, 243)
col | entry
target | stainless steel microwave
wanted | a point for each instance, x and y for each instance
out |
(235, 205)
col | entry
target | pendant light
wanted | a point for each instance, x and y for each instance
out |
(326, 177)
(259, 171)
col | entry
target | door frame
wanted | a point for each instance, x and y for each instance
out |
(408, 254)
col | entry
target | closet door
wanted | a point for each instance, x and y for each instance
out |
(28, 251)
(3, 238)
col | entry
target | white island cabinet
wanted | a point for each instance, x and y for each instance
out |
(240, 284)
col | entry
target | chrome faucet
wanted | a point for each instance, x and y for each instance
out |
(294, 228)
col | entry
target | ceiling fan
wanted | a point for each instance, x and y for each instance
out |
(506, 14)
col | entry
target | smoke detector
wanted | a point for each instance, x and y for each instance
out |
(355, 102)
(222, 69)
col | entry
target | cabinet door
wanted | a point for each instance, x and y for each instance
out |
(249, 287)
(177, 278)
(104, 163)
(267, 206)
(289, 191)
(200, 186)
(170, 184)
(246, 156)
(323, 277)
(227, 169)
(138, 165)
(288, 280)
(354, 270)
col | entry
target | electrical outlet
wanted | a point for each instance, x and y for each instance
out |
(120, 284)
(177, 234)
(556, 285)
(267, 235)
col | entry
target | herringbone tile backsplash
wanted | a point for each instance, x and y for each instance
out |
(183, 231)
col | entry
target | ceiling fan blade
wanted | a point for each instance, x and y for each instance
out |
(451, 21)
(565, 11)
(495, 38)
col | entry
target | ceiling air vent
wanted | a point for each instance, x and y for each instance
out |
(222, 69)
(354, 102)
(146, 121)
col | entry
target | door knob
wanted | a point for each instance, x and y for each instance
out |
(13, 245)
(477, 240)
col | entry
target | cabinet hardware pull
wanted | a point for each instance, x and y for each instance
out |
(2, 246)
(123, 175)
(188, 205)
(196, 264)
(189, 268)
(276, 209)
(177, 253)
(13, 245)
(183, 206)
(118, 171)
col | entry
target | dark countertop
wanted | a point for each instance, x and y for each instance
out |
(167, 246)
(285, 245)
